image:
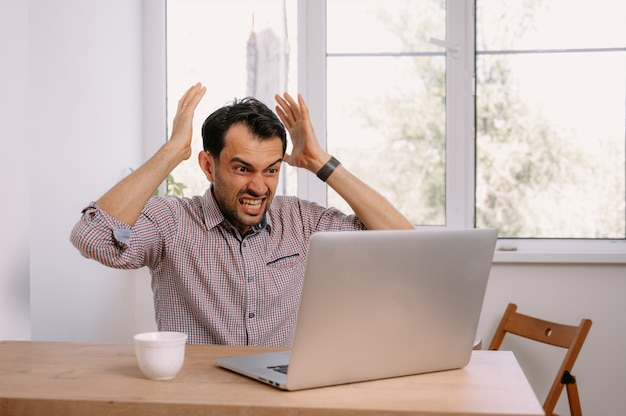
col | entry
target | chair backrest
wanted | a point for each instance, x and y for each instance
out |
(565, 336)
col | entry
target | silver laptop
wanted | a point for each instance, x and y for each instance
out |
(380, 304)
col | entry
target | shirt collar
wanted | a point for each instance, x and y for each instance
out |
(213, 215)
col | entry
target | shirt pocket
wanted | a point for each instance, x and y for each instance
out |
(287, 274)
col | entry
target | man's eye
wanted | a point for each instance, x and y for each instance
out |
(241, 169)
(272, 171)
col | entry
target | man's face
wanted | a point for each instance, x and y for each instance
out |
(245, 177)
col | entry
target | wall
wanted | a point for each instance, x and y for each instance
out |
(86, 126)
(74, 118)
(566, 293)
(14, 167)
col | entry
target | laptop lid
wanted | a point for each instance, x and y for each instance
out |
(379, 304)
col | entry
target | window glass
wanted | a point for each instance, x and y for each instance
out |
(237, 48)
(550, 118)
(550, 98)
(386, 88)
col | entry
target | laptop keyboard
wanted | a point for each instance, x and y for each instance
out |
(279, 368)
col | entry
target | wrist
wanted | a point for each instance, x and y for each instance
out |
(174, 152)
(327, 169)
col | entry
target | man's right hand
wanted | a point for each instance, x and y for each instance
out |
(127, 198)
(182, 125)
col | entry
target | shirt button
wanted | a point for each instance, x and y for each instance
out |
(245, 244)
(251, 315)
(250, 280)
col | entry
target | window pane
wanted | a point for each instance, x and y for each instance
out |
(386, 101)
(362, 26)
(236, 48)
(550, 24)
(550, 124)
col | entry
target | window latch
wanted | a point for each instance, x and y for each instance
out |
(452, 47)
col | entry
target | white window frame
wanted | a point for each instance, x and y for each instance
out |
(460, 169)
(312, 84)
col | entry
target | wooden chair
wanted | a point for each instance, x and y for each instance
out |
(564, 336)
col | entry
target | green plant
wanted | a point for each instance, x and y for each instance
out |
(172, 187)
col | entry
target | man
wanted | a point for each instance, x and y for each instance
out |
(227, 267)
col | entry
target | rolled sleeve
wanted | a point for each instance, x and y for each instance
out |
(101, 237)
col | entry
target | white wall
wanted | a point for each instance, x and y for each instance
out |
(86, 125)
(14, 167)
(72, 112)
(566, 293)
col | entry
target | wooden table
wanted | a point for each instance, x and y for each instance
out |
(59, 378)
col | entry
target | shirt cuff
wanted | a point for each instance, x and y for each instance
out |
(122, 235)
(121, 232)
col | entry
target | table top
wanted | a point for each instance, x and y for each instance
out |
(64, 378)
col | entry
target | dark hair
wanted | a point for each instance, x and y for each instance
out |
(261, 121)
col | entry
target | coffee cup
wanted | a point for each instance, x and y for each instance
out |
(160, 355)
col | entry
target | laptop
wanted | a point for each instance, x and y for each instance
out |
(381, 304)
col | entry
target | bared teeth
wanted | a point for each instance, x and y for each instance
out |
(251, 203)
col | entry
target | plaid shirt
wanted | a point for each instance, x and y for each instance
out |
(208, 281)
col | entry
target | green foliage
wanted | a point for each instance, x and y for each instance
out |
(172, 187)
(533, 179)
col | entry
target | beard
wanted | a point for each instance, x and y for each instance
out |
(232, 208)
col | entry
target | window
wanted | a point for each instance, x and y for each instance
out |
(491, 114)
(550, 120)
(386, 100)
(236, 48)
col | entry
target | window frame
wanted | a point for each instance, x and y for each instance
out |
(312, 84)
(460, 138)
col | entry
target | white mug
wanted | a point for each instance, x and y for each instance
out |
(160, 355)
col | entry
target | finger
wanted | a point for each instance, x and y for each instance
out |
(196, 97)
(192, 97)
(183, 100)
(280, 100)
(284, 107)
(303, 107)
(283, 117)
(293, 106)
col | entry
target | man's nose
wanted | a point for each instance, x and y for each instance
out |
(257, 185)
